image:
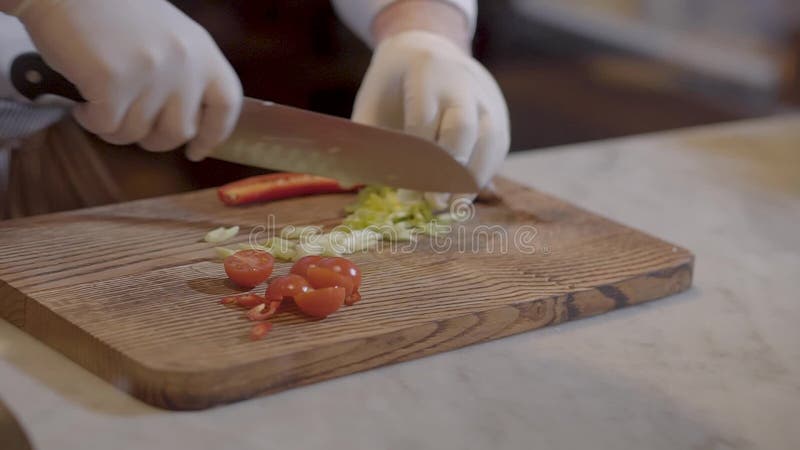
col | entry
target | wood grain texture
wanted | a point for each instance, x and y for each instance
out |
(131, 293)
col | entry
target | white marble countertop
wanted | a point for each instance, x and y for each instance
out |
(717, 367)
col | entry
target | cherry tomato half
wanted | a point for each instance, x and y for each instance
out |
(320, 277)
(321, 302)
(302, 264)
(287, 286)
(343, 266)
(249, 268)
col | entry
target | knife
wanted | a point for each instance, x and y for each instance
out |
(278, 137)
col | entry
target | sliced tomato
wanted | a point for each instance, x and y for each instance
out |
(302, 264)
(343, 266)
(249, 268)
(321, 302)
(260, 330)
(287, 287)
(277, 186)
(248, 300)
(320, 277)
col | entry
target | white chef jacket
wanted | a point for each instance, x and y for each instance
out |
(359, 14)
(14, 40)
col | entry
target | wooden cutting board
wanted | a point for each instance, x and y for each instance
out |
(131, 292)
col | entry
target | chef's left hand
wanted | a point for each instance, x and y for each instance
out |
(425, 84)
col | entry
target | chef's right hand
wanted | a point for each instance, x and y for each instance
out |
(149, 73)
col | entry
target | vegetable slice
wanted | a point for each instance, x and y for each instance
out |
(257, 313)
(293, 232)
(223, 252)
(320, 277)
(260, 330)
(304, 249)
(248, 300)
(321, 302)
(249, 268)
(354, 298)
(283, 249)
(287, 286)
(282, 253)
(301, 266)
(277, 186)
(221, 234)
(395, 214)
(343, 266)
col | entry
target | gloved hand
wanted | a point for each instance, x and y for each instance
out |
(150, 74)
(424, 84)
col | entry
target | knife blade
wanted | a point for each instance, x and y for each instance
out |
(278, 137)
(274, 136)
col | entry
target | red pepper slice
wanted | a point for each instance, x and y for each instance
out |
(244, 300)
(229, 300)
(260, 330)
(352, 299)
(277, 186)
(257, 313)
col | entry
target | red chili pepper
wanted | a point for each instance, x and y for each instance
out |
(244, 300)
(277, 186)
(257, 313)
(229, 300)
(260, 330)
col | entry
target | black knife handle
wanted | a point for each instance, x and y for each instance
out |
(32, 77)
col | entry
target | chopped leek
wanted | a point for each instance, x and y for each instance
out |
(282, 252)
(380, 213)
(306, 249)
(280, 248)
(279, 242)
(221, 234)
(292, 232)
(396, 214)
(223, 252)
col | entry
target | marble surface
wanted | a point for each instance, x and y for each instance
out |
(717, 367)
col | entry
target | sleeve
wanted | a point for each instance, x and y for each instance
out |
(14, 40)
(358, 14)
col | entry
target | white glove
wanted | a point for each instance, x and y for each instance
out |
(424, 84)
(150, 74)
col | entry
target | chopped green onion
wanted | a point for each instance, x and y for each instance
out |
(280, 248)
(306, 249)
(395, 214)
(283, 253)
(221, 234)
(292, 232)
(223, 252)
(279, 242)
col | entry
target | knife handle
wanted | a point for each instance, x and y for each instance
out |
(32, 77)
